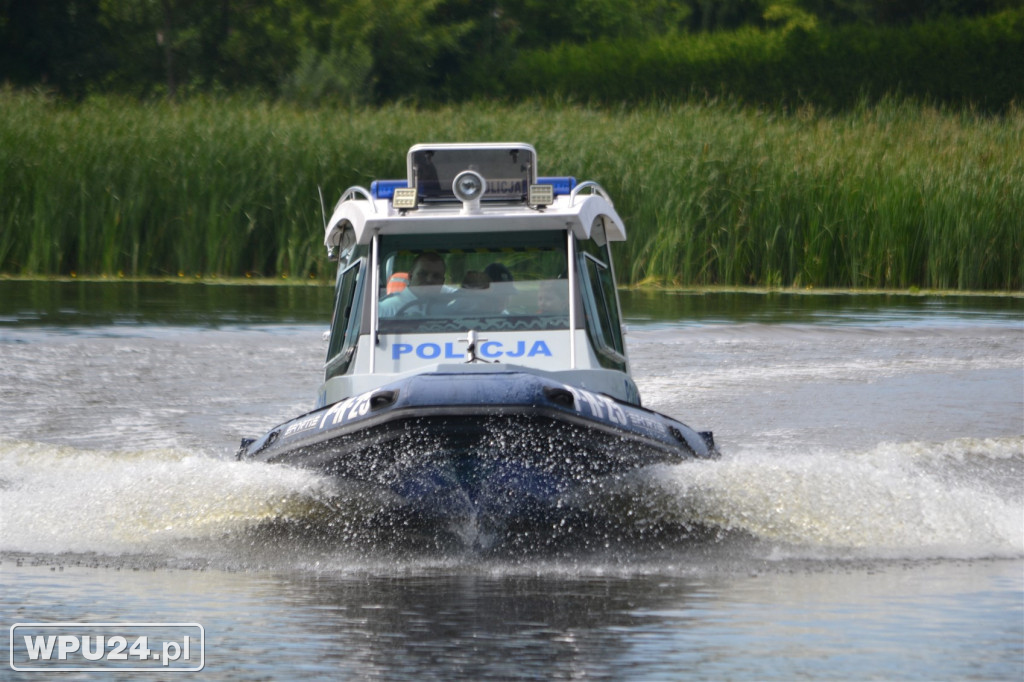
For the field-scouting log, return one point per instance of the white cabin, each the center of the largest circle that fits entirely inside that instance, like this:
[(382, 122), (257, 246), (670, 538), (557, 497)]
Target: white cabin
[(473, 263)]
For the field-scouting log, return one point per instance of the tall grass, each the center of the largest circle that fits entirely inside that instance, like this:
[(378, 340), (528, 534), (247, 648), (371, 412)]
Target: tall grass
[(896, 195)]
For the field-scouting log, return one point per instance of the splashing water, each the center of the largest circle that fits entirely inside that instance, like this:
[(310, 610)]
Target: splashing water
[(60, 499), (956, 499)]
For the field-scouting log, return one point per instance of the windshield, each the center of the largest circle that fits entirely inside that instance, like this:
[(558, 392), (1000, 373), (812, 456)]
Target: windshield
[(450, 283)]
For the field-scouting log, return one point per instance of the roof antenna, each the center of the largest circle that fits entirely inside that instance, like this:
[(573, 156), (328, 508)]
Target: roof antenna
[(323, 209), (331, 252)]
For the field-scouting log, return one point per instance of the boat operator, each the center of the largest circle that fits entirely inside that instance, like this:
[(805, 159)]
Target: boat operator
[(426, 288)]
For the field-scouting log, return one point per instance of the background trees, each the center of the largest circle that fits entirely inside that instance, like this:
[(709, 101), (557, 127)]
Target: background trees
[(371, 51)]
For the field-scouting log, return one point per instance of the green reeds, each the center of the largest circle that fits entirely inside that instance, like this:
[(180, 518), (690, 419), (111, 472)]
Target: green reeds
[(896, 195)]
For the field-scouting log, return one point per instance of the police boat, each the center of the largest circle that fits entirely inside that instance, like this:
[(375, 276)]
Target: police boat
[(475, 363)]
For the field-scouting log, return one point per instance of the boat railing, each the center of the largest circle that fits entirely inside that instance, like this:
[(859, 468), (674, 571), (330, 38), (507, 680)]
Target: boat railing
[(355, 190), (594, 189)]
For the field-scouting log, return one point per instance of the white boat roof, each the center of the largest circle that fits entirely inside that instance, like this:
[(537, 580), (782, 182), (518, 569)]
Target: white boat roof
[(369, 216), (369, 212)]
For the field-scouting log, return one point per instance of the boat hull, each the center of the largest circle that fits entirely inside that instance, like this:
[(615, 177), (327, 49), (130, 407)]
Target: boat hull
[(507, 446)]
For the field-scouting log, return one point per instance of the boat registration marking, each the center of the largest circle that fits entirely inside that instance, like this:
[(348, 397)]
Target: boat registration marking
[(600, 406), (350, 408)]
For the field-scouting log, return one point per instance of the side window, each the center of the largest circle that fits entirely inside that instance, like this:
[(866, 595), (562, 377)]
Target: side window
[(345, 323), (603, 286), (600, 301)]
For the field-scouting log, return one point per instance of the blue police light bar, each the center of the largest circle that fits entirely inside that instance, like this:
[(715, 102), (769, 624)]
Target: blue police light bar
[(562, 185), (385, 189)]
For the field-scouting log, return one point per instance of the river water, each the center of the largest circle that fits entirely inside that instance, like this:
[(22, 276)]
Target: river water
[(866, 519)]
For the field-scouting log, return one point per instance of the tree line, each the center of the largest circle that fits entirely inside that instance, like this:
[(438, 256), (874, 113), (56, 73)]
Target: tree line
[(369, 52)]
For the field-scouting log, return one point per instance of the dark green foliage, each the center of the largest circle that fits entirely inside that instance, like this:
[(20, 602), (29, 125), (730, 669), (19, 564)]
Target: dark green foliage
[(978, 62), (828, 52), (51, 43)]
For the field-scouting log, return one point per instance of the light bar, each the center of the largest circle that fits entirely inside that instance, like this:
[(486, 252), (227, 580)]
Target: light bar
[(385, 189), (563, 185)]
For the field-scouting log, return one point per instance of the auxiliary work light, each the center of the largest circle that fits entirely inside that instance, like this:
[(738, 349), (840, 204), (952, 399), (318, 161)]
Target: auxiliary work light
[(404, 198), (540, 195)]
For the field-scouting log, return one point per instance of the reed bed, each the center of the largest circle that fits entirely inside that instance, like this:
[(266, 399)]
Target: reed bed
[(896, 195)]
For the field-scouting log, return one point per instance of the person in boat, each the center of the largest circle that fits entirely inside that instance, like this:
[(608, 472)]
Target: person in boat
[(397, 282), (553, 297), (426, 289), (472, 297), (484, 292), (503, 285)]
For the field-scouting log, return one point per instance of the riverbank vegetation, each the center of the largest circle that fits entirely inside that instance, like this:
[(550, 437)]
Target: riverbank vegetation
[(799, 143), (890, 195)]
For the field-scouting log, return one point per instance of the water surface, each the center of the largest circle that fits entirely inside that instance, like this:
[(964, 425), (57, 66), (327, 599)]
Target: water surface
[(866, 519)]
